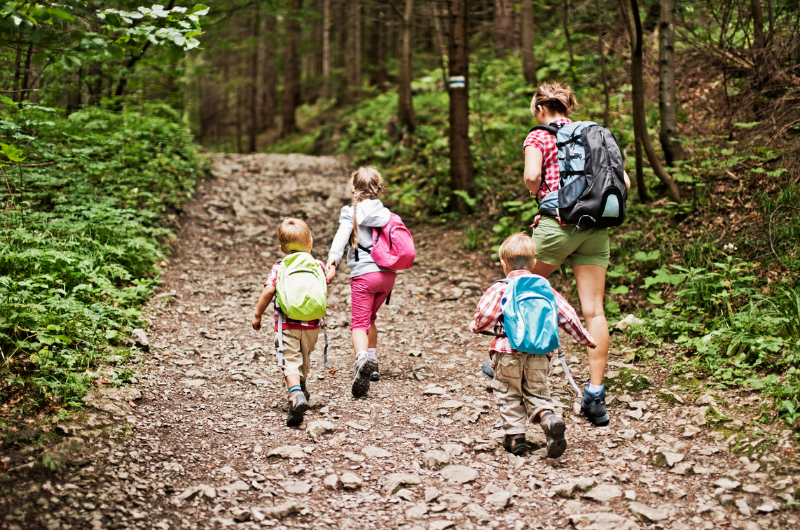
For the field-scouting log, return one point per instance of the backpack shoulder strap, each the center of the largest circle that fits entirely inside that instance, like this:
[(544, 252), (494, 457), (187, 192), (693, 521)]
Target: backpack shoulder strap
[(548, 128)]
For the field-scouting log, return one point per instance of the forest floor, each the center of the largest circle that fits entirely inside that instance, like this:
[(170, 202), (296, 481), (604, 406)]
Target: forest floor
[(200, 441)]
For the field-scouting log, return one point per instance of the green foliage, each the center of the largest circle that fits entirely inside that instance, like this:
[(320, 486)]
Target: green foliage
[(80, 240)]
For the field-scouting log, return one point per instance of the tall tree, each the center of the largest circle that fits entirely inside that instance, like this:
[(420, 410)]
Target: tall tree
[(291, 83), (666, 85), (503, 26), (405, 104), (569, 39), (439, 37), (377, 47), (252, 81), (462, 175), (354, 59), (528, 49), (268, 96), (639, 117), (602, 49), (326, 48)]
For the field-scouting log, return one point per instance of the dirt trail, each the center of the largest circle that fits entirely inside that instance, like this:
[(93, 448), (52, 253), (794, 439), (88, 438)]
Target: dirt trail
[(201, 442)]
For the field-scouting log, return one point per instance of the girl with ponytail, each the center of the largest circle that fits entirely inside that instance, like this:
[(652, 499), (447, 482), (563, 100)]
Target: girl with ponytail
[(370, 283)]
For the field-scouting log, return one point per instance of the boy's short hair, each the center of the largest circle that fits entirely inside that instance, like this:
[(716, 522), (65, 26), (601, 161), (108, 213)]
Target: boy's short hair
[(294, 235), (519, 252)]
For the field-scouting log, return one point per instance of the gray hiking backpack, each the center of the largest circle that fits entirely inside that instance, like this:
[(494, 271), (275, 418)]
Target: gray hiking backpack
[(591, 190)]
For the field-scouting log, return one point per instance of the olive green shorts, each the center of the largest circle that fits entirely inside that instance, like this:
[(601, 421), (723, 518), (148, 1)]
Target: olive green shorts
[(555, 245)]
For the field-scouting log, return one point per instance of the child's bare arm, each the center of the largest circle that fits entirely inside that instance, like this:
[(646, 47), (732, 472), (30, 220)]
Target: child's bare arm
[(263, 302)]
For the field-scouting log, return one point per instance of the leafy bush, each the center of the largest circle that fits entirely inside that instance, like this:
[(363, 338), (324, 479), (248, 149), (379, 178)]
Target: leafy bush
[(81, 238)]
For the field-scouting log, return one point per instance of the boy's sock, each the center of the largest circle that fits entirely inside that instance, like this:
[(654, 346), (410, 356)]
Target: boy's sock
[(594, 389), (295, 388), (372, 352)]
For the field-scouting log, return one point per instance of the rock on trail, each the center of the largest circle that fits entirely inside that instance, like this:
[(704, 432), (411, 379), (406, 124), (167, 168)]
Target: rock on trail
[(201, 441)]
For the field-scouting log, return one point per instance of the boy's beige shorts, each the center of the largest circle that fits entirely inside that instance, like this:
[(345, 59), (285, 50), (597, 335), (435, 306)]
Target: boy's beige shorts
[(297, 347), (520, 389)]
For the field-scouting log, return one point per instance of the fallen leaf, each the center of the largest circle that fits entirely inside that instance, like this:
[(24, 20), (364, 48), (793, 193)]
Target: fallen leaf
[(621, 468), (332, 371), (590, 459), (132, 404)]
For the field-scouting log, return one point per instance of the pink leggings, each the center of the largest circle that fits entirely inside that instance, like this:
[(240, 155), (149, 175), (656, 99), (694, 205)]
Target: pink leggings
[(369, 292)]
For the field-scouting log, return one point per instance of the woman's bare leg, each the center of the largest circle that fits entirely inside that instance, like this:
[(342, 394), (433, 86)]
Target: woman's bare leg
[(591, 281)]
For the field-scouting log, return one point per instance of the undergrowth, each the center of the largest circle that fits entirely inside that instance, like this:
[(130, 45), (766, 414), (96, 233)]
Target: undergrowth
[(82, 233)]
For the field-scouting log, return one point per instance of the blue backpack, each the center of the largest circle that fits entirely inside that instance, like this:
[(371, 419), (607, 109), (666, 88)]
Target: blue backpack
[(530, 315)]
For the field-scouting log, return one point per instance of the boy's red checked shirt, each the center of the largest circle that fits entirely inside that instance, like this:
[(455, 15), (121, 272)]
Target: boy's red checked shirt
[(546, 143), (490, 309), (289, 323)]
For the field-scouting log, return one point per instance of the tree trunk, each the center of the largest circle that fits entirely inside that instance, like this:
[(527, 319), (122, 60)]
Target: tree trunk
[(461, 172), (17, 71), (377, 47), (252, 100), (503, 29), (267, 75), (405, 104), (666, 86), (439, 37), (528, 47), (26, 73), (340, 77), (759, 47), (354, 59), (291, 83), (639, 117), (326, 48), (602, 49), (569, 39)]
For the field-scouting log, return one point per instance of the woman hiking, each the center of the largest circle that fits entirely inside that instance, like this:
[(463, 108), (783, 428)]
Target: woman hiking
[(585, 249)]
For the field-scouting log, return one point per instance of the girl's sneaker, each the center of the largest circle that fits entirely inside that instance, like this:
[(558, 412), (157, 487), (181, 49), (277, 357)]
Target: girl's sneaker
[(365, 366), (298, 406)]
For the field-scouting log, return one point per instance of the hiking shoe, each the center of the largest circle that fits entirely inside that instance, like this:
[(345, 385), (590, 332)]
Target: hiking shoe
[(487, 370), (593, 407), (306, 393), (376, 375), (515, 443), (363, 373), (554, 428), (298, 406)]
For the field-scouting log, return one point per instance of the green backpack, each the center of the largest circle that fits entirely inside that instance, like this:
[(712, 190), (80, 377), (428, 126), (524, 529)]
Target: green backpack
[(302, 289)]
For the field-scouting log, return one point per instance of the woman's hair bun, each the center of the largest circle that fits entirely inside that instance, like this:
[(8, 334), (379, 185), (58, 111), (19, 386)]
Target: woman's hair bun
[(555, 97)]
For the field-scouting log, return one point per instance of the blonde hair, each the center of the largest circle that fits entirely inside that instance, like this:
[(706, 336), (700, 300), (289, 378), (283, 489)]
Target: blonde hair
[(365, 183), (555, 97), (294, 236), (519, 252)]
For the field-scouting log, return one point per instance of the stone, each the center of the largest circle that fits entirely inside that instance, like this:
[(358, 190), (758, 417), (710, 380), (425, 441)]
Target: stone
[(435, 458), (669, 459), (57, 457), (417, 511), (728, 484), (453, 501), (395, 480), (288, 451), (297, 487), (681, 469), (434, 391), (200, 491), (317, 428), (627, 434), (195, 374), (604, 493), (767, 505), (351, 481), (564, 490), (441, 524), (475, 512), (584, 483), (690, 430), (630, 495), (460, 474), (372, 451), (602, 521), (676, 492), (193, 383), (743, 508), (353, 457), (140, 339), (431, 494), (331, 482), (450, 404), (355, 425), (627, 322), (233, 489), (453, 449), (636, 414), (316, 401), (405, 494), (647, 513), (241, 516), (499, 499), (281, 510)]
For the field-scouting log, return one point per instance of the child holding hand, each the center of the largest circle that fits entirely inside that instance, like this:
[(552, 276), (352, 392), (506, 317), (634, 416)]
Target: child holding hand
[(520, 382), (370, 283)]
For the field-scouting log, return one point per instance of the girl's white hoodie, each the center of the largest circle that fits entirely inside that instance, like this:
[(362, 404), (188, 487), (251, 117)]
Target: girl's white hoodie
[(371, 213)]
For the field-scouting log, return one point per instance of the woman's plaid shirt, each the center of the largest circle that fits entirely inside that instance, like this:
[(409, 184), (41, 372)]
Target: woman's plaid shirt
[(490, 309)]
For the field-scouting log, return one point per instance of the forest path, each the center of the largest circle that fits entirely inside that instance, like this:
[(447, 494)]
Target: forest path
[(199, 448)]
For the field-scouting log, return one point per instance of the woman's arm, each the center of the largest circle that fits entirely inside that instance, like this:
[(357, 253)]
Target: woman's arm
[(627, 179), (533, 169)]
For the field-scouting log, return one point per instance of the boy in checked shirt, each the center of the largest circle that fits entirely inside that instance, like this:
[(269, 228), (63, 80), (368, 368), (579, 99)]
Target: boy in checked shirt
[(520, 379)]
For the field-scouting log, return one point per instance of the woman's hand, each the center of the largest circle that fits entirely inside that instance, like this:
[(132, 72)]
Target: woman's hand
[(330, 269)]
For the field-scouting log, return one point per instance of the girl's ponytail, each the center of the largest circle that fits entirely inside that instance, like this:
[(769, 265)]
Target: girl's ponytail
[(365, 183)]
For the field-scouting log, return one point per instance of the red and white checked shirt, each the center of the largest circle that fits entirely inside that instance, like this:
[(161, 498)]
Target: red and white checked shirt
[(546, 143), (289, 323), (490, 309)]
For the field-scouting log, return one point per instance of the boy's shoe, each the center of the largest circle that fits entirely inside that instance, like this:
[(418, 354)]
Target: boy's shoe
[(363, 373), (515, 444), (554, 428), (376, 375), (593, 407), (487, 370), (298, 406)]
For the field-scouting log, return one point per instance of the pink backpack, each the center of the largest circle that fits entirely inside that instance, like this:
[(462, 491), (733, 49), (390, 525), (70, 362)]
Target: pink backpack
[(392, 245)]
